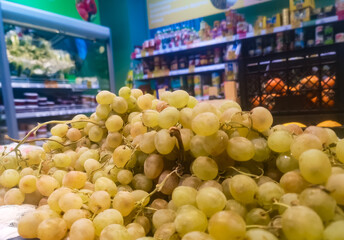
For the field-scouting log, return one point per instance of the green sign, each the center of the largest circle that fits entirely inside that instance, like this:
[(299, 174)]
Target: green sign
[(87, 10)]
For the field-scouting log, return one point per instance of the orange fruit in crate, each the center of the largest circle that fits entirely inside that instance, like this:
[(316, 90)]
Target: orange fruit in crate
[(309, 82), (275, 85), (315, 100), (329, 123), (329, 82), (327, 96), (255, 101)]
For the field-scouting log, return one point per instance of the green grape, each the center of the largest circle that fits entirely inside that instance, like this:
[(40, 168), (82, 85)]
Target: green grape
[(261, 119), (184, 195), (73, 215), (132, 103), (227, 225), (114, 123), (144, 102), (135, 230), (304, 142), (321, 133), (168, 117), (62, 160), (136, 93), (137, 128), (73, 134), (141, 182), (192, 181), (115, 231), (99, 201), (166, 231), (59, 130), (204, 168), (91, 165), (215, 144), (140, 195), (178, 99), (197, 146), (164, 143), (113, 140), (55, 144), (124, 176), (300, 222), (28, 224), (52, 229), (259, 234), (74, 179), (196, 235), (105, 184), (257, 216), (9, 178), (235, 206), (105, 218), (279, 141), (289, 199), (243, 188), (335, 185), (69, 201), (124, 92), (105, 97), (334, 231), (293, 182), (9, 162), (189, 219), (122, 155), (205, 124), (103, 111), (95, 134), (162, 216), (82, 229), (35, 156), (153, 166), (119, 105), (46, 185), (186, 135), (315, 166), (332, 137), (340, 150), (150, 118), (210, 200), (318, 200), (147, 142), (261, 150), (240, 149), (337, 170), (171, 182), (27, 184), (186, 117), (54, 197), (192, 102), (285, 162), (81, 124), (124, 202), (165, 96), (229, 104), (14, 197), (203, 107), (211, 183), (268, 193), (226, 116)]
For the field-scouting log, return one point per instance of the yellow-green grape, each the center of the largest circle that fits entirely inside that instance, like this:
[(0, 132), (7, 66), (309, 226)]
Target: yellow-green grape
[(216, 143), (286, 162), (55, 143), (59, 130), (335, 185), (300, 222), (137, 129), (115, 231), (340, 150), (288, 199), (14, 197), (192, 102), (186, 117), (227, 225), (186, 135), (105, 218), (204, 168), (136, 93), (150, 118), (203, 107), (83, 156), (103, 111), (124, 202), (261, 119), (132, 115), (257, 234), (91, 165), (144, 222), (140, 181), (53, 199), (135, 230), (334, 231), (162, 216), (140, 196), (321, 202), (268, 193), (9, 162), (105, 97), (240, 149), (99, 201), (257, 216), (105, 184), (73, 215), (136, 118), (119, 105), (74, 179), (320, 132), (113, 140), (315, 166), (9, 178), (46, 185), (279, 141), (124, 176), (235, 206), (189, 219), (196, 235), (229, 104), (131, 101), (52, 229), (332, 137), (153, 166), (210, 200), (98, 174), (168, 117), (166, 231), (147, 142), (114, 123), (82, 229), (70, 201), (197, 146), (62, 160), (35, 156), (337, 170), (226, 116), (59, 175), (73, 134), (178, 99), (184, 195), (293, 181), (121, 155), (243, 188), (79, 121), (205, 124), (304, 142), (27, 184), (28, 224), (165, 96), (163, 142), (124, 92), (261, 150), (95, 134), (144, 102)]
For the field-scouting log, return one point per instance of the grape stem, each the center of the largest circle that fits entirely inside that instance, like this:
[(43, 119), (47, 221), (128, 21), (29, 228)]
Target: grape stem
[(249, 174), (280, 204), (174, 132), (257, 226)]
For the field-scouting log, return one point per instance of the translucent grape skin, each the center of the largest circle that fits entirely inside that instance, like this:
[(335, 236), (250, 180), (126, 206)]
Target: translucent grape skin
[(243, 188), (261, 118), (279, 141), (240, 149), (205, 124), (105, 218), (334, 231), (210, 200), (189, 218), (304, 142), (335, 185), (52, 229), (153, 166), (164, 143), (82, 229), (204, 168), (184, 195)]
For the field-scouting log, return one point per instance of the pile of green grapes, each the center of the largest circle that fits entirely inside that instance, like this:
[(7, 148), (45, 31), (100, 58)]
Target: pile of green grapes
[(173, 168)]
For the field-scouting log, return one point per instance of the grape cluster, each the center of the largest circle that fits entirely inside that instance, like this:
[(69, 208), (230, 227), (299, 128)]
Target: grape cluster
[(173, 168)]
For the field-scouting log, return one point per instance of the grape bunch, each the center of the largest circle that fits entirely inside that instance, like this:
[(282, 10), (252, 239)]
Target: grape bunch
[(174, 168)]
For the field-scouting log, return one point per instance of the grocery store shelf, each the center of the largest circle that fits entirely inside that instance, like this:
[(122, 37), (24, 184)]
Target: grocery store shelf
[(208, 68), (230, 39)]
